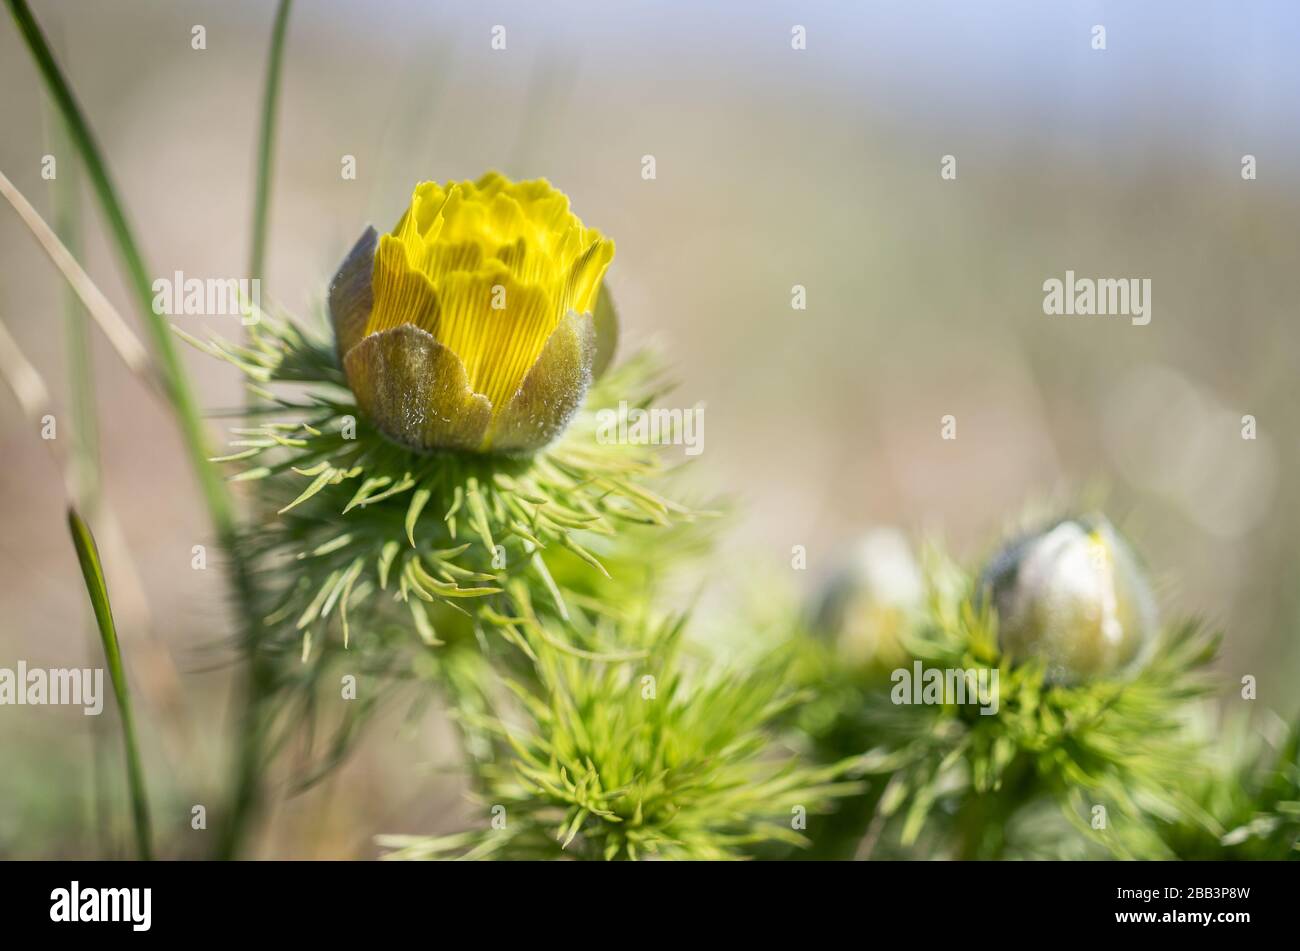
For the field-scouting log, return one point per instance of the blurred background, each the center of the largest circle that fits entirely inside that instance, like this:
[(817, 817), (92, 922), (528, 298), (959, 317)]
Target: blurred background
[(775, 167)]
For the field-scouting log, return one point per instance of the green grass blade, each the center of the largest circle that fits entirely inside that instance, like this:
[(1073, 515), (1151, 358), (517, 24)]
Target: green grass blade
[(85, 474), (92, 571), (266, 146), (76, 324)]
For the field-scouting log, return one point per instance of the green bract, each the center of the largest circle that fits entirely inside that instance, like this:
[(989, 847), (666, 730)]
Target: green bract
[(368, 516)]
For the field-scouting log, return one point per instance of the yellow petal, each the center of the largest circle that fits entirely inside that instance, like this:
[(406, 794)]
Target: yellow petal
[(402, 294), (498, 345)]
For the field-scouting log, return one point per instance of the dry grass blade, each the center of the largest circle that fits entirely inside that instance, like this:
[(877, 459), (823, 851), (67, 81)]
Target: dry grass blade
[(115, 328)]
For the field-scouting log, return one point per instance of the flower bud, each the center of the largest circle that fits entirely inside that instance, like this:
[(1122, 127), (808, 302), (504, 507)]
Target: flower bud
[(1075, 597), (872, 597), (470, 326)]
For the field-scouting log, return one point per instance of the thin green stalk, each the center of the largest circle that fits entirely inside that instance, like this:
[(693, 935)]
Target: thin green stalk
[(81, 375), (85, 423), (252, 732), (215, 493), (92, 571), (266, 146), (65, 191)]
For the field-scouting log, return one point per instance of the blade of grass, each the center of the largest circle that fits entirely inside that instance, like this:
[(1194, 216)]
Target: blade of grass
[(116, 329), (92, 571), (65, 190), (85, 478), (33, 396), (266, 146), (28, 386), (259, 679)]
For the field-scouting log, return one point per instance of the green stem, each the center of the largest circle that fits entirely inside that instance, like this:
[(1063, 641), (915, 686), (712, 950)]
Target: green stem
[(840, 833), (85, 424), (259, 685), (266, 147), (76, 325), (983, 818), (246, 795), (92, 571)]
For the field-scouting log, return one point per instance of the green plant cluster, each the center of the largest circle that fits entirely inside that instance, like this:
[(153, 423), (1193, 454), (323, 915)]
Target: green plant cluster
[(1109, 768), (528, 595)]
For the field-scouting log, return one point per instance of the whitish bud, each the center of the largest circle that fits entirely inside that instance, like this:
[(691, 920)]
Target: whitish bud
[(871, 598), (1074, 596)]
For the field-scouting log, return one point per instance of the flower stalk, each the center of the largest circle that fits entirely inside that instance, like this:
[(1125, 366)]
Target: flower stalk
[(266, 140)]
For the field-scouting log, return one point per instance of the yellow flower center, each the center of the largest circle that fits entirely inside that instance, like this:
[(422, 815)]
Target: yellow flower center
[(489, 268)]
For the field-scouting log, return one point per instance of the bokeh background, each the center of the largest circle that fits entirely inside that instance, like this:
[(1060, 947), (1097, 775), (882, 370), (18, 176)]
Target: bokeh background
[(775, 167)]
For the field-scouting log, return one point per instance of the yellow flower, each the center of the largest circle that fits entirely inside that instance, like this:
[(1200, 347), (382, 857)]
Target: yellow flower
[(470, 326)]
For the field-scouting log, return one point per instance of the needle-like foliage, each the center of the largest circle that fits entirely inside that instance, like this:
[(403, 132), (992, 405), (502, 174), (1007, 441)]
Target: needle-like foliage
[(367, 517), (377, 552), (625, 760), (1112, 756)]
